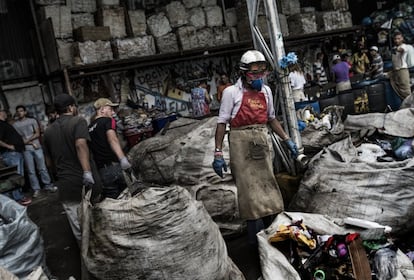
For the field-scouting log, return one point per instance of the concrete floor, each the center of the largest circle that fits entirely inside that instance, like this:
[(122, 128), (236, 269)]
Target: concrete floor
[(62, 252)]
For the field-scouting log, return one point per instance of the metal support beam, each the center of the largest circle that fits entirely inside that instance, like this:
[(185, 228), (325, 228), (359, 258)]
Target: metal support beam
[(273, 54)]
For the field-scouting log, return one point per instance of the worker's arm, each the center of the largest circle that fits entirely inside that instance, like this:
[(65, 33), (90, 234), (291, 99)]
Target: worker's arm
[(82, 151), (114, 143), (36, 134), (7, 146), (278, 129), (219, 164), (220, 131), (116, 148)]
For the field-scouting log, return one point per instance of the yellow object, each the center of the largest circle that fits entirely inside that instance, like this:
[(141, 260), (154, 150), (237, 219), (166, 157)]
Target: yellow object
[(299, 233)]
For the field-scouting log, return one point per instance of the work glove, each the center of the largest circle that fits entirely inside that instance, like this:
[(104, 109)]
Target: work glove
[(125, 163), (219, 164), (87, 179), (292, 147)]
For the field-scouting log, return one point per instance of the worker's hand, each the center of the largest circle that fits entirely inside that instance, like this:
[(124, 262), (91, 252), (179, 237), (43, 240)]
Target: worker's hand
[(219, 164), (292, 147), (87, 179), (124, 163)]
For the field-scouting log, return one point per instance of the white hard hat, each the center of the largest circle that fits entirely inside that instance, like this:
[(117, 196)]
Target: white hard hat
[(251, 57), (336, 57), (374, 48)]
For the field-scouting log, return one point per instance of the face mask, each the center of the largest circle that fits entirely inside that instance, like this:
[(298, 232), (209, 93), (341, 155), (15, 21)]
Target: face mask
[(257, 84)]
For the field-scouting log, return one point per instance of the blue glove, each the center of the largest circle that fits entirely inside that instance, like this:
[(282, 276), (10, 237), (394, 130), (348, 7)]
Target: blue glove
[(292, 147), (219, 164)]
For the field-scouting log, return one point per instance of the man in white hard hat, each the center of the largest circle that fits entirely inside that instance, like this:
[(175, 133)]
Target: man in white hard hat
[(248, 107)]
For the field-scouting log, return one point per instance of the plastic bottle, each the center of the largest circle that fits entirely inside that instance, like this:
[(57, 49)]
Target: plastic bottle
[(326, 121), (145, 104)]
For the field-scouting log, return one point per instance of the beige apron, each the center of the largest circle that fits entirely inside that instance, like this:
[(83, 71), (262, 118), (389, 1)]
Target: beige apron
[(400, 82), (252, 168)]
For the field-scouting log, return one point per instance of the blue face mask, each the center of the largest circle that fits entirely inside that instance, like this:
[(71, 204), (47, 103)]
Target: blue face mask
[(257, 84)]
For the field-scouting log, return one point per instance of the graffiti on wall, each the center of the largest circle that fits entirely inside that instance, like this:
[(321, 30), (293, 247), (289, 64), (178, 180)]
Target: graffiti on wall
[(13, 69), (165, 87), (31, 98), (172, 83)]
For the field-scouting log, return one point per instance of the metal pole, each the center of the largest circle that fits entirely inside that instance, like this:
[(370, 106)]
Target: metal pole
[(278, 49), (273, 54), (67, 81)]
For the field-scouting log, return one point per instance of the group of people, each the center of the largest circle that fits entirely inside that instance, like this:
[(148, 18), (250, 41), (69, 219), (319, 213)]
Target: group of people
[(20, 146), (84, 156), (371, 66), (345, 66), (80, 155)]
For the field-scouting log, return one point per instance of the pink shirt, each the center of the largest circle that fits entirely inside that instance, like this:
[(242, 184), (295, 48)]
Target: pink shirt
[(232, 99)]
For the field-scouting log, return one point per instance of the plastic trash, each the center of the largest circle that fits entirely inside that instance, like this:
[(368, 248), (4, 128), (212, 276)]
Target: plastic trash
[(385, 264), (405, 150)]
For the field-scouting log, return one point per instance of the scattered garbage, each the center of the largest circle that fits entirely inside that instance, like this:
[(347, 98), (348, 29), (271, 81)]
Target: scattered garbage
[(309, 246)]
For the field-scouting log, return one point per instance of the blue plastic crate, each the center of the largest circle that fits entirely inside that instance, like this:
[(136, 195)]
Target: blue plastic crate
[(159, 123), (313, 103)]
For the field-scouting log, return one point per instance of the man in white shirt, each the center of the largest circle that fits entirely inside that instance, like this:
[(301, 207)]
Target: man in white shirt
[(400, 77)]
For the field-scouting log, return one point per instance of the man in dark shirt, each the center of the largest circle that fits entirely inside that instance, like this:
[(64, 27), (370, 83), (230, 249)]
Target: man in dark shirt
[(11, 149), (106, 150), (65, 144)]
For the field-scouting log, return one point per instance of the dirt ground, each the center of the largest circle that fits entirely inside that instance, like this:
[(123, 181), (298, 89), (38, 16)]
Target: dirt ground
[(62, 252)]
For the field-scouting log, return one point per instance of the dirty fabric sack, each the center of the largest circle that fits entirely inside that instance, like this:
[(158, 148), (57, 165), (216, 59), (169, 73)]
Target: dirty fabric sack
[(183, 156), (341, 184), (160, 233), (317, 135), (21, 245), (398, 123)]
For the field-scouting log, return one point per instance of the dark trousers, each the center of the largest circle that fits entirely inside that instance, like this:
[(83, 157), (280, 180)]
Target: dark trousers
[(254, 226), (112, 180)]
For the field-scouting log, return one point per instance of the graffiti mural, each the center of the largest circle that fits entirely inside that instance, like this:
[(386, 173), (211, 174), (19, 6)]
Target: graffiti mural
[(14, 69), (172, 83)]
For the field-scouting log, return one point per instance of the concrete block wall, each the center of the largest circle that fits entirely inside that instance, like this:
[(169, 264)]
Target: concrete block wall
[(180, 25), (305, 20), (174, 27)]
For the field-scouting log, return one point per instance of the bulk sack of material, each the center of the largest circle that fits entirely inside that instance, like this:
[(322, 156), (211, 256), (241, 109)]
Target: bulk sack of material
[(21, 245), (5, 274), (340, 184), (159, 233), (182, 156), (317, 134), (398, 123), (274, 263)]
